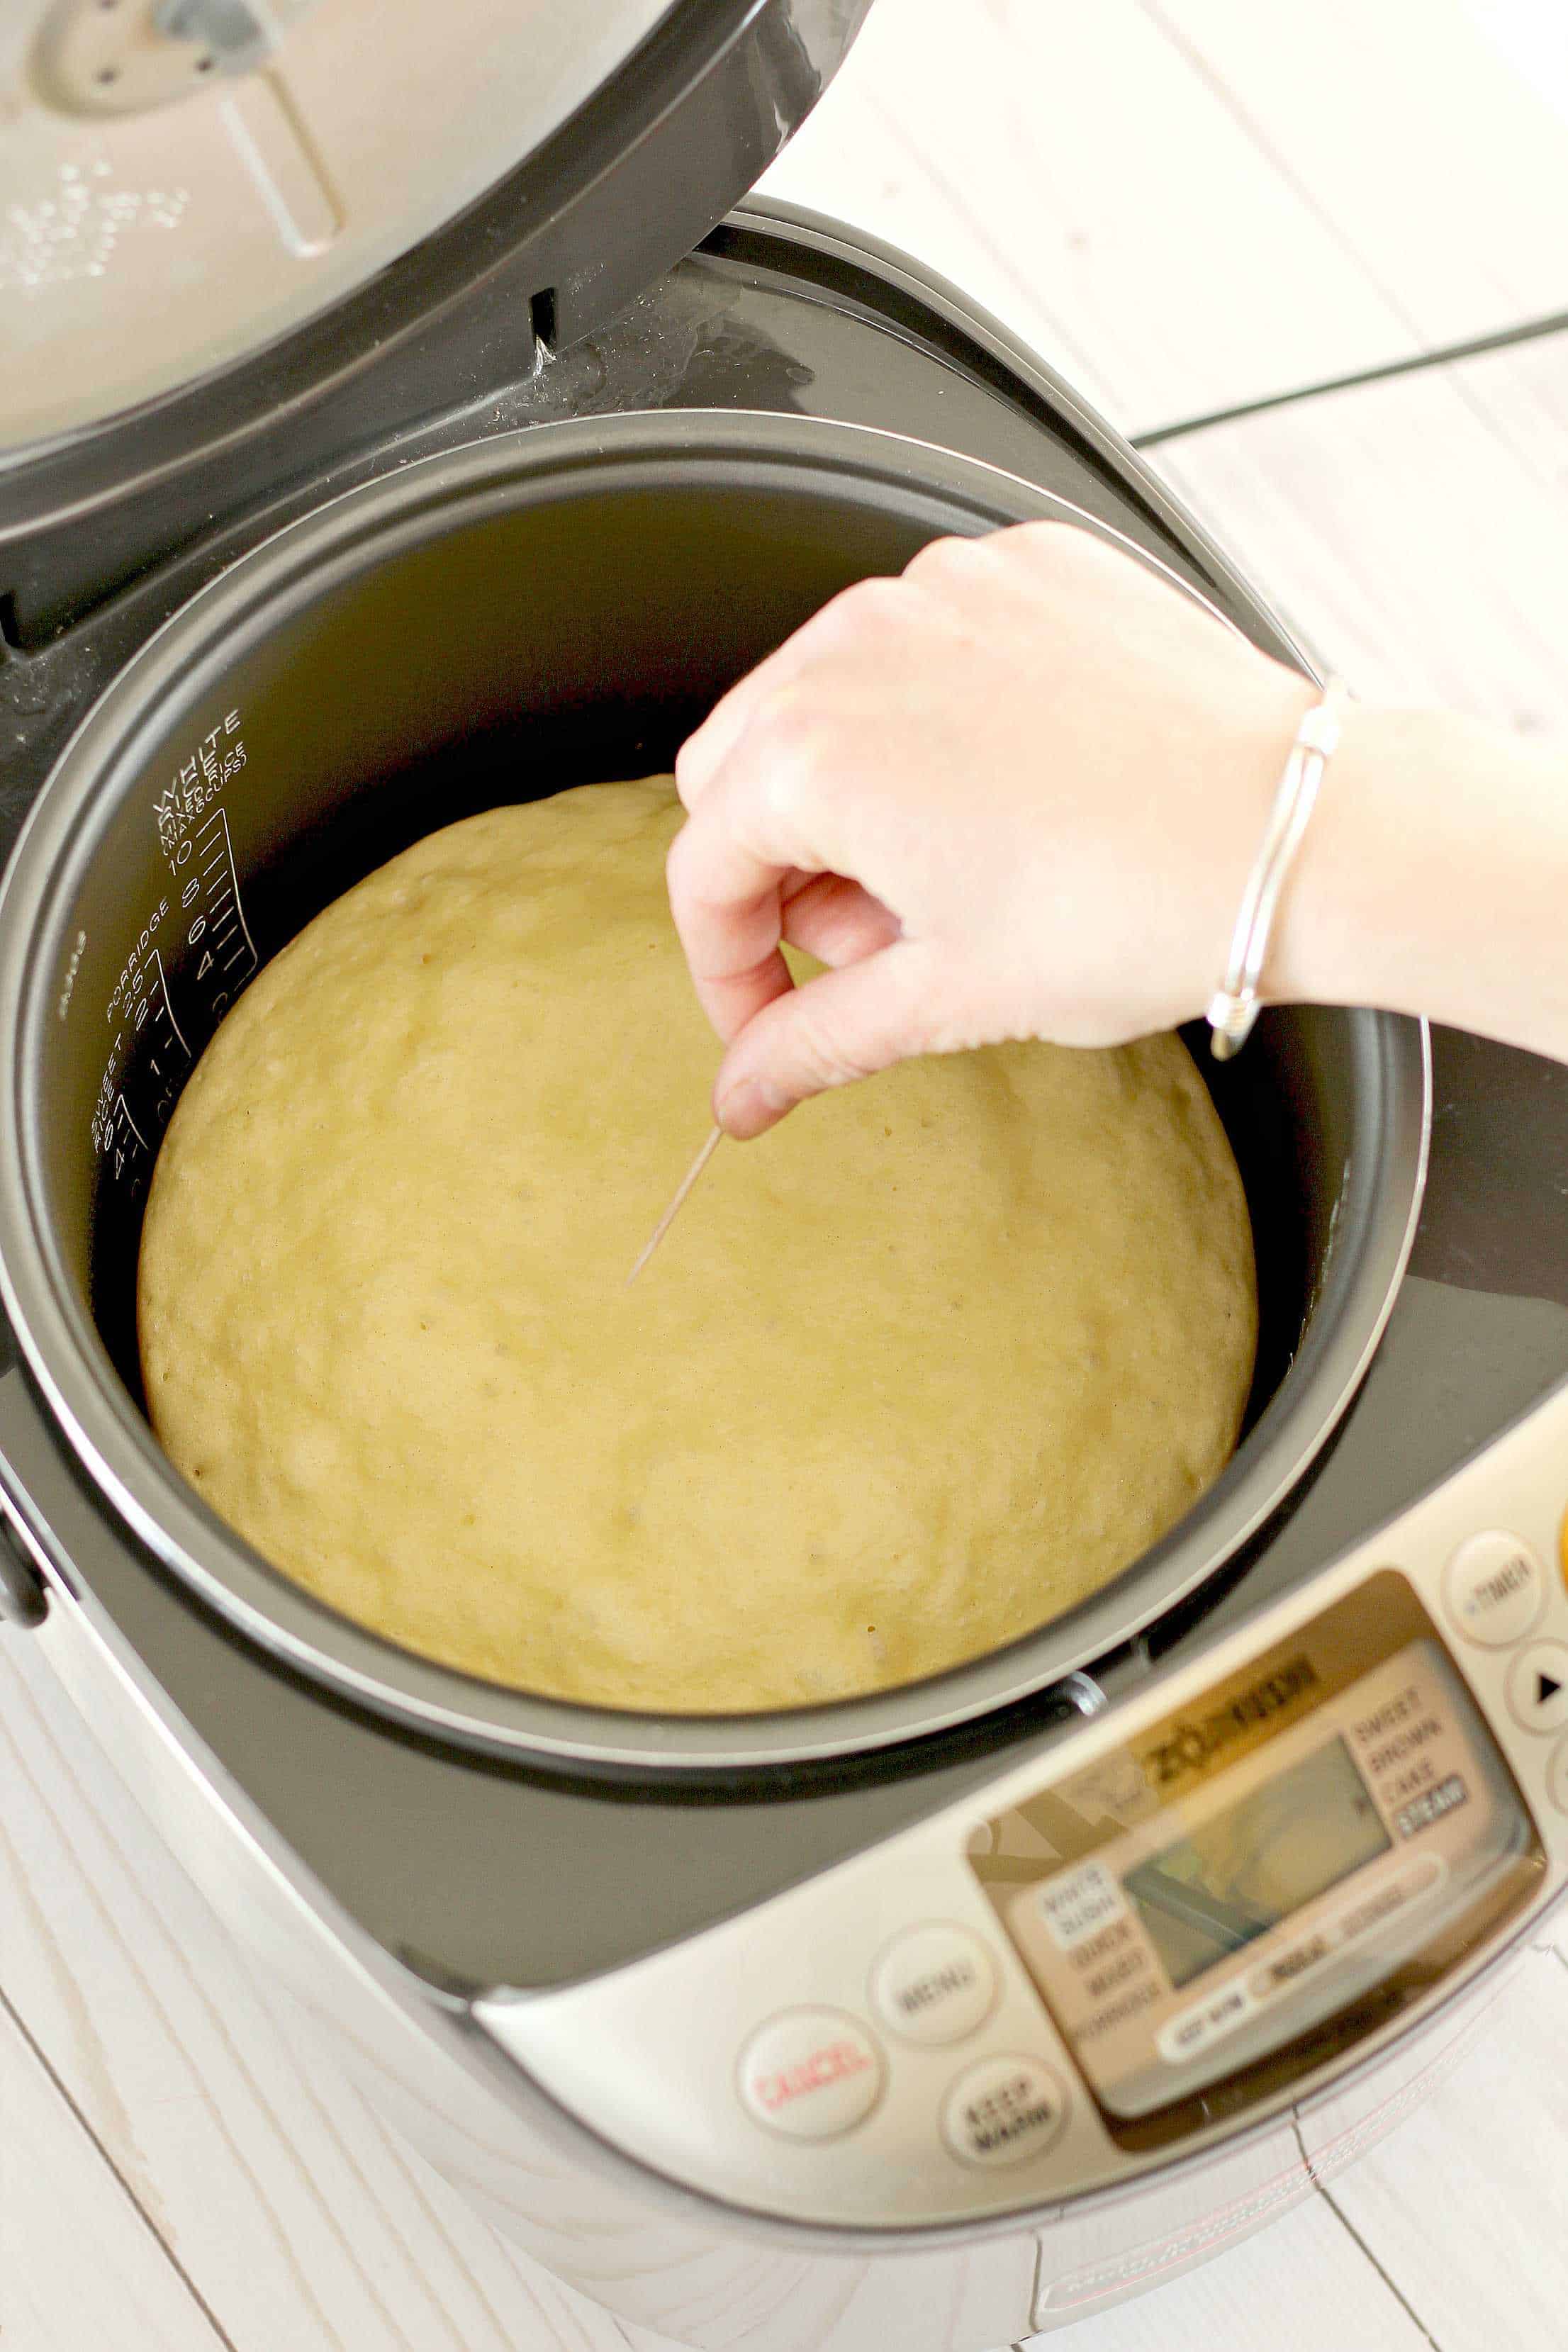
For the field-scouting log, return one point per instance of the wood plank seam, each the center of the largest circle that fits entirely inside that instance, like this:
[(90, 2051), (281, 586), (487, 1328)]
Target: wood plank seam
[(908, 141), (456, 2280), (62, 2092), (1302, 189), (1355, 2236), (1458, 601), (263, 2106), (1529, 331)]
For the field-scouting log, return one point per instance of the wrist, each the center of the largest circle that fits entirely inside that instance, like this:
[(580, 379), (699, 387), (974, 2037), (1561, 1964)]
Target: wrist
[(1336, 941), (1434, 880)]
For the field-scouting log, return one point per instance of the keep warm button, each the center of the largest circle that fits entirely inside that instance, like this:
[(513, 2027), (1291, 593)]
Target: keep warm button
[(1003, 2110), (810, 2073)]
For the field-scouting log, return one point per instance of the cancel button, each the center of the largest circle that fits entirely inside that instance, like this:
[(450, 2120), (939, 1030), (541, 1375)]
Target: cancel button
[(810, 2073)]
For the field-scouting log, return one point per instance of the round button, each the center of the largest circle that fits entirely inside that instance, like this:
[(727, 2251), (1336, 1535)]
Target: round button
[(1003, 2110), (1538, 1686), (1557, 1778), (935, 1984), (1495, 1588), (810, 2073)]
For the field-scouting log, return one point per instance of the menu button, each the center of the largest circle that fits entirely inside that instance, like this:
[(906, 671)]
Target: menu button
[(934, 1984)]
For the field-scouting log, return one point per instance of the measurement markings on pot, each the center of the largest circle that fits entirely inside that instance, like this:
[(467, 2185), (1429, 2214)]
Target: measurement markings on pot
[(140, 1003), (201, 923), (217, 928), (193, 833)]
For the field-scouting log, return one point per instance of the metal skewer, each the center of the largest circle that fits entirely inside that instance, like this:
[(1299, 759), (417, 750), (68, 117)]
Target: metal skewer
[(664, 1223)]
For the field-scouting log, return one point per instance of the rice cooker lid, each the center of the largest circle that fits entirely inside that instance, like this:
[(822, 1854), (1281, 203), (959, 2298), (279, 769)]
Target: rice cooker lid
[(187, 183)]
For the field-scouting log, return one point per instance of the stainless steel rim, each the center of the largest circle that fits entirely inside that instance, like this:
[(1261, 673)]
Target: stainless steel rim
[(115, 1445)]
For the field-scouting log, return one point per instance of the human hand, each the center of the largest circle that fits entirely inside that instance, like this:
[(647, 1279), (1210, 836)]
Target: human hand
[(1014, 793)]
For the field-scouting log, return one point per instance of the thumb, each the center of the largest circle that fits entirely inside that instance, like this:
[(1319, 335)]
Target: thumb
[(843, 1026)]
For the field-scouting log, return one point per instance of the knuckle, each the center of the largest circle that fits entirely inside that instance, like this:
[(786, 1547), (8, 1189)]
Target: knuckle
[(950, 558), (787, 752), (868, 604), (680, 874), (931, 562), (879, 598), (1068, 548), (821, 1059), (691, 766)]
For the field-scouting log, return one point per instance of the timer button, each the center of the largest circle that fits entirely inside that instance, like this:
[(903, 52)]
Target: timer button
[(810, 2073), (1003, 2110), (1495, 1588), (935, 1984), (1538, 1686)]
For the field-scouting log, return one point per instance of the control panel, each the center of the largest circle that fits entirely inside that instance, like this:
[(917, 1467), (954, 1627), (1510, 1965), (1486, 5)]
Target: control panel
[(1198, 1899), (1178, 1917)]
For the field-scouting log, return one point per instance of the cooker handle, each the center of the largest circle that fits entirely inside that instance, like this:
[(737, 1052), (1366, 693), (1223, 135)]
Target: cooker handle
[(23, 1599), (24, 1593)]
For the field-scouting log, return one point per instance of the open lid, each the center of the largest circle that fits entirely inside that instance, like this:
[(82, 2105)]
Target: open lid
[(186, 185)]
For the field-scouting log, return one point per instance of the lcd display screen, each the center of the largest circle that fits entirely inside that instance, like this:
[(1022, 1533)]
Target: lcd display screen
[(1248, 1867), (1250, 1882)]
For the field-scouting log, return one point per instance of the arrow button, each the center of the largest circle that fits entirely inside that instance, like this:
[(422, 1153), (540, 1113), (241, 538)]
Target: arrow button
[(1538, 1686)]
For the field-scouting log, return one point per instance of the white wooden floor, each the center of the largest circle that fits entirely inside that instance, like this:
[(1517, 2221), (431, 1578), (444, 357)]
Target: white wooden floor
[(1192, 207)]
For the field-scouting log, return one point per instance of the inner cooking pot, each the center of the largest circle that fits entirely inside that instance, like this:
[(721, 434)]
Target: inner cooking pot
[(551, 608)]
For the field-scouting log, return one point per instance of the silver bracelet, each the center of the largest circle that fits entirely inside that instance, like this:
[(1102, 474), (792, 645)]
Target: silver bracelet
[(1234, 1005)]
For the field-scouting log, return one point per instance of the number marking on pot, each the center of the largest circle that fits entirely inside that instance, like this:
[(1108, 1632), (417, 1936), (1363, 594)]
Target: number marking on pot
[(218, 932), (209, 944)]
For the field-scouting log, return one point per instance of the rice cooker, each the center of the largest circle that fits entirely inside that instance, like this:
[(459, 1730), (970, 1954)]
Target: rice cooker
[(402, 416)]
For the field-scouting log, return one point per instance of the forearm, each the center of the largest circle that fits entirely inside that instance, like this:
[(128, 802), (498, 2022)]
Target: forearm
[(1027, 781), (1435, 879)]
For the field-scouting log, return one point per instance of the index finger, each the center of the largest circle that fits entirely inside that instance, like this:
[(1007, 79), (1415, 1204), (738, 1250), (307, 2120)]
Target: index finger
[(729, 868), (702, 756)]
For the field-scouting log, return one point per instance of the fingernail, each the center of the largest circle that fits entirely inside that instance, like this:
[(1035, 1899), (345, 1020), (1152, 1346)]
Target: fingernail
[(747, 1109)]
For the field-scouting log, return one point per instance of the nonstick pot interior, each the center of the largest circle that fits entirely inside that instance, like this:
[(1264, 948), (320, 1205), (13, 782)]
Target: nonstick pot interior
[(489, 627)]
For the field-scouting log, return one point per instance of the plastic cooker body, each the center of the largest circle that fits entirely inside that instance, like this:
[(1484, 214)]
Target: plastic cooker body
[(436, 1842)]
